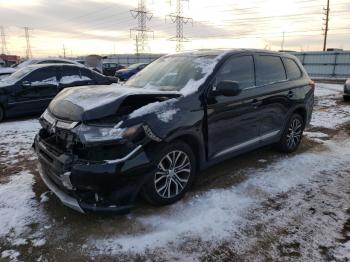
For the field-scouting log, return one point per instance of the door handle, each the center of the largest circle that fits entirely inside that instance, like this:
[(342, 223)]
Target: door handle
[(290, 94), (256, 103)]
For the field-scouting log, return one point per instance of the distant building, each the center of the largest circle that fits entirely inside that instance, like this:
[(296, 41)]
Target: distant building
[(10, 60)]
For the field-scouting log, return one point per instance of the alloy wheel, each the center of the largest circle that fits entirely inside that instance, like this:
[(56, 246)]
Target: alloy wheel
[(172, 175), (294, 133)]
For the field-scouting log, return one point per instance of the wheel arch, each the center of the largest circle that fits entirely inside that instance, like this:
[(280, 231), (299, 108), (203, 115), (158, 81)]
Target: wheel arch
[(195, 144), (302, 112)]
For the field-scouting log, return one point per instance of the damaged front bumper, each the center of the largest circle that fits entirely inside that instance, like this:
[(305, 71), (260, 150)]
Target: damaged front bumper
[(85, 186)]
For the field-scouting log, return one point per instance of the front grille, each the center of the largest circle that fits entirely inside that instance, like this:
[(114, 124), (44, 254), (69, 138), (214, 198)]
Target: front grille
[(61, 141)]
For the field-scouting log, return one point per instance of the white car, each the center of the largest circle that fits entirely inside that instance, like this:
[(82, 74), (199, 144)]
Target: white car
[(4, 72), (45, 61)]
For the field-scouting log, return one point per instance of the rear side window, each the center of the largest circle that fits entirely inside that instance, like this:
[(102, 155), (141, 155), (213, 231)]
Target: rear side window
[(239, 69), (269, 69), (293, 70), (70, 75), (87, 73)]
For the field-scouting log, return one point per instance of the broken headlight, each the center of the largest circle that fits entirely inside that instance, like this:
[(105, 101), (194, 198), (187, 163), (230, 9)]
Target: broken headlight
[(93, 134)]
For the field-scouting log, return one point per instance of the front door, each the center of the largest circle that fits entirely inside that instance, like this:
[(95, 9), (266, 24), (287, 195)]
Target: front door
[(233, 121), (35, 91)]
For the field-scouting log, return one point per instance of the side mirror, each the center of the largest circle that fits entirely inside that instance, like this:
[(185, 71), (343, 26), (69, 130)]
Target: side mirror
[(227, 88), (26, 84)]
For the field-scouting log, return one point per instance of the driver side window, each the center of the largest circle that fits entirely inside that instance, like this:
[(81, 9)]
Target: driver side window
[(238, 69), (42, 76)]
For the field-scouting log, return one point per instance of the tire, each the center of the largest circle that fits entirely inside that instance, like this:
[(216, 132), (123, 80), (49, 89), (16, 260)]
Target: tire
[(2, 114), (292, 134), (346, 98), (165, 186)]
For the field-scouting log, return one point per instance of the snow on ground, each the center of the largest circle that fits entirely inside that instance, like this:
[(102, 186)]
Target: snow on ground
[(219, 214), (10, 254), (328, 89), (342, 253), (327, 112), (16, 138), (204, 220), (18, 208)]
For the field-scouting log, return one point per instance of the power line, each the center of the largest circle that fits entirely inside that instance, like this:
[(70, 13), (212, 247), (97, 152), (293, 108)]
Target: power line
[(179, 20), (326, 26), (141, 31)]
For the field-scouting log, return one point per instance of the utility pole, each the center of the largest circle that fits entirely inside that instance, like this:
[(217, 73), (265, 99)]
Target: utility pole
[(327, 10), (179, 20), (137, 44), (28, 49), (140, 33), (64, 51), (3, 41), (282, 44)]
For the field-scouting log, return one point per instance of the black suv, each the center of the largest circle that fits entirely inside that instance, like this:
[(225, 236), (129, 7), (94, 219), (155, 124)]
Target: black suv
[(30, 89), (182, 113)]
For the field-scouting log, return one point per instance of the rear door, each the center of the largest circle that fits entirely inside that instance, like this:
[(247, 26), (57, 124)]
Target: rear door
[(233, 121), (274, 95)]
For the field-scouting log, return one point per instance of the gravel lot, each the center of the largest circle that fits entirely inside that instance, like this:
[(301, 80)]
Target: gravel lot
[(260, 206)]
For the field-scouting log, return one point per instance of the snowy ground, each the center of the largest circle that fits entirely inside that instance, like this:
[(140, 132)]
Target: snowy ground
[(260, 206)]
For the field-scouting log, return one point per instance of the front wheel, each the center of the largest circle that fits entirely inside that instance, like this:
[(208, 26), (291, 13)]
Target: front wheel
[(174, 174), (292, 135)]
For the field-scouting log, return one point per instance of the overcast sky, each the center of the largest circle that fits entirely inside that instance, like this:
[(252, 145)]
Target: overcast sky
[(103, 26)]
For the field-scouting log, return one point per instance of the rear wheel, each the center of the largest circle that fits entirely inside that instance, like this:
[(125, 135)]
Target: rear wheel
[(292, 135), (174, 174)]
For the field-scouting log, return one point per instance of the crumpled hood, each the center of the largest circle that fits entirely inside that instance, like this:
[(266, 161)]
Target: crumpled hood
[(93, 102)]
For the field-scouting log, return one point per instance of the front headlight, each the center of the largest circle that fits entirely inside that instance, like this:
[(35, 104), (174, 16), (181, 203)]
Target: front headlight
[(92, 134)]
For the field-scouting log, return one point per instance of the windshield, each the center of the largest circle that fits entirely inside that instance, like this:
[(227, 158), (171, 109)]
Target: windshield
[(26, 63), (19, 74), (173, 73)]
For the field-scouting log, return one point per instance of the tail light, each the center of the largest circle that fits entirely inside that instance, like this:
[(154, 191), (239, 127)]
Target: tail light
[(312, 84)]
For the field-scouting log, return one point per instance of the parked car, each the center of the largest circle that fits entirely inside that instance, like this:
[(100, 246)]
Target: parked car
[(109, 68), (30, 89), (347, 90), (45, 61), (181, 114), (6, 71), (125, 74)]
